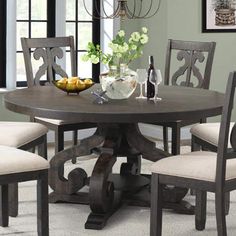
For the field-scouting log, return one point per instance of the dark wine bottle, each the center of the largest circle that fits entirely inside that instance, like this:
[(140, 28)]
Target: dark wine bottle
[(150, 86)]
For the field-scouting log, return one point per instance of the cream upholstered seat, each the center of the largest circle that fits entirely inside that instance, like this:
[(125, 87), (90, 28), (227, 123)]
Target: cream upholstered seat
[(195, 165), (14, 160), (209, 132), (54, 121), (25, 136), (17, 166), (17, 134)]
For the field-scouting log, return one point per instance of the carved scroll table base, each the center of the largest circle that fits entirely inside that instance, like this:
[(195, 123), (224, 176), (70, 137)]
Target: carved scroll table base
[(108, 191)]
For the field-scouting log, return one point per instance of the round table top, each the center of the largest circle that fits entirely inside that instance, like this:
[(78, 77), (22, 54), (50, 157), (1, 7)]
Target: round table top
[(178, 103)]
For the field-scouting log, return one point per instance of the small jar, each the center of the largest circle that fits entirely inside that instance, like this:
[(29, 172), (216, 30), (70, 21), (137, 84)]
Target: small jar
[(113, 70), (123, 68)]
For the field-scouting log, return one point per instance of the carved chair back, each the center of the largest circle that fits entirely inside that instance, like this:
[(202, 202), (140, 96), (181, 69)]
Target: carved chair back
[(49, 50), (196, 63), (224, 152)]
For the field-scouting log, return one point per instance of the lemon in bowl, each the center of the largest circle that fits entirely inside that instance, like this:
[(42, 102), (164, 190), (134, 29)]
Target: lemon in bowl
[(73, 84)]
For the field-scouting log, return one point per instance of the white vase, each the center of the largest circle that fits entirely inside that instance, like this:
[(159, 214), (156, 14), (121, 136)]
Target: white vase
[(119, 84)]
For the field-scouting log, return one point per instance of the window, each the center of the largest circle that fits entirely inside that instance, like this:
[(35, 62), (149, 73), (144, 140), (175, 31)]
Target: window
[(84, 29), (31, 22), (39, 19)]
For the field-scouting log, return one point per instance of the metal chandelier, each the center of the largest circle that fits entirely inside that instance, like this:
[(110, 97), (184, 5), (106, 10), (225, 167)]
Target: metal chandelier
[(130, 9)]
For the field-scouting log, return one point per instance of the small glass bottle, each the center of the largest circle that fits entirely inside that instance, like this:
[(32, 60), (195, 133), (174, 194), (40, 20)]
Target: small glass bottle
[(123, 68), (150, 86), (113, 70)]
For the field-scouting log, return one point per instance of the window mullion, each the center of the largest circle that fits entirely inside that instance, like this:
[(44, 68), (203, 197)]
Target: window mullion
[(96, 40), (10, 56), (29, 19), (60, 18), (3, 43), (51, 18)]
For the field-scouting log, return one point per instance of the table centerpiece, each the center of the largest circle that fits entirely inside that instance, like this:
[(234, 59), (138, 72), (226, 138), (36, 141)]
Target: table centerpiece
[(120, 81)]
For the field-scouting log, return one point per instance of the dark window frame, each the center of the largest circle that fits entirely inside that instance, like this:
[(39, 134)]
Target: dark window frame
[(96, 39), (3, 42)]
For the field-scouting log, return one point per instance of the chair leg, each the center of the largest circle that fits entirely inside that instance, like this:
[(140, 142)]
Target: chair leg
[(42, 148), (165, 139), (42, 205), (13, 199), (75, 142), (200, 210), (220, 213), (4, 216), (227, 203), (75, 137), (156, 207), (194, 146), (175, 141), (59, 140)]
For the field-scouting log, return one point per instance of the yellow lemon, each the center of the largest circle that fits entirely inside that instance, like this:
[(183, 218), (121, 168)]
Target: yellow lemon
[(88, 81), (72, 80), (71, 86), (61, 85), (80, 84), (63, 80)]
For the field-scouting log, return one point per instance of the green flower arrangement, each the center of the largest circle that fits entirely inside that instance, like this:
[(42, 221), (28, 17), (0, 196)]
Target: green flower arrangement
[(122, 51)]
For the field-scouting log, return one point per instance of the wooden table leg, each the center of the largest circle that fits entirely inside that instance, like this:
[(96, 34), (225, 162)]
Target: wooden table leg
[(101, 193), (102, 199), (172, 196), (66, 190)]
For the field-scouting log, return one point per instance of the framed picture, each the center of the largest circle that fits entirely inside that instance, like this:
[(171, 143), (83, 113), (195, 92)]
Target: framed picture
[(218, 16)]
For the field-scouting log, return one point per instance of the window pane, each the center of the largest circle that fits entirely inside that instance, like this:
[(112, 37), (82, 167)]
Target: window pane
[(36, 64), (39, 29), (84, 35), (39, 9), (70, 9), (21, 74), (62, 62), (22, 12), (82, 13), (68, 64), (70, 29), (22, 31), (84, 68), (20, 70)]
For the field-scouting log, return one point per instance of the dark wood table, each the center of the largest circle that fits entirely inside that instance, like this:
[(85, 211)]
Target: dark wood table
[(117, 135)]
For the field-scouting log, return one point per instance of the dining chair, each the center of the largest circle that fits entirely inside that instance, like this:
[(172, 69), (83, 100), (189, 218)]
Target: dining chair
[(19, 166), (25, 136), (50, 51), (205, 137), (196, 60), (200, 170)]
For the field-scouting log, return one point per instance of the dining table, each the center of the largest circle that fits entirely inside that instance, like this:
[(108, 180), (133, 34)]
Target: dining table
[(117, 135)]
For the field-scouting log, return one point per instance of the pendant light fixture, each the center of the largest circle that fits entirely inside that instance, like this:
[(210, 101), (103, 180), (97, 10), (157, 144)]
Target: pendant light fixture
[(125, 9)]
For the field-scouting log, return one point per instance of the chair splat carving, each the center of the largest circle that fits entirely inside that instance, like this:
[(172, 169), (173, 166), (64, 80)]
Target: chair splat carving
[(190, 58), (49, 65)]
